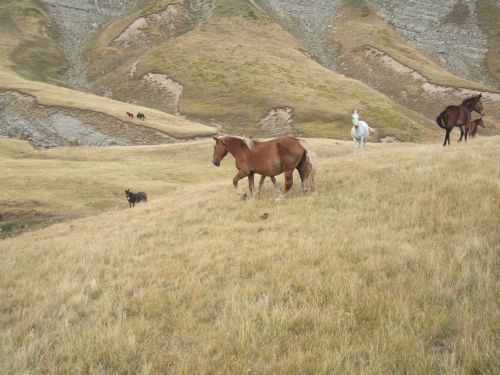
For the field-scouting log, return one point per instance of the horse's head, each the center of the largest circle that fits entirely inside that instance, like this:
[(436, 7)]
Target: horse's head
[(127, 193), (478, 106), (355, 118), (220, 150), (475, 104)]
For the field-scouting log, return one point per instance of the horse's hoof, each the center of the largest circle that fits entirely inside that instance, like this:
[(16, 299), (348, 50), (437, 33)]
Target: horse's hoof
[(243, 197)]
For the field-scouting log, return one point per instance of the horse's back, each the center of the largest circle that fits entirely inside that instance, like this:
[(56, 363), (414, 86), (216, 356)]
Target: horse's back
[(272, 157)]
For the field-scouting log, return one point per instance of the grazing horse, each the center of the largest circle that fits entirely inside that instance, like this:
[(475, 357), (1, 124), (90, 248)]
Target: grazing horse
[(474, 125), (130, 115), (460, 116), (134, 198), (141, 116), (268, 158), (359, 132)]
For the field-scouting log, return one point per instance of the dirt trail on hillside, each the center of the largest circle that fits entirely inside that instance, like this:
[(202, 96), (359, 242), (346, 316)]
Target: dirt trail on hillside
[(22, 117)]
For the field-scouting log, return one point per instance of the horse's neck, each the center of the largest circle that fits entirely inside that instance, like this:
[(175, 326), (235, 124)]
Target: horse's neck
[(236, 146), (470, 106)]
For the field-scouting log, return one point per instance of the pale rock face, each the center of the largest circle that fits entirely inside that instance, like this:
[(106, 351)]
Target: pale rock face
[(78, 21), (308, 20), (457, 43)]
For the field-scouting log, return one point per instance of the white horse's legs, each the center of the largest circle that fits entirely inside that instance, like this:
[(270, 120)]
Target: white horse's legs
[(357, 145)]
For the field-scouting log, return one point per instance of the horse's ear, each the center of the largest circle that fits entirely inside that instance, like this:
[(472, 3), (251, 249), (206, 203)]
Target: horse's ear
[(215, 138), (479, 97)]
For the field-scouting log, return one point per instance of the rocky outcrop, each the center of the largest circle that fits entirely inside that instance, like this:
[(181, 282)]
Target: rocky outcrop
[(78, 21), (161, 25), (22, 117), (307, 20), (277, 122), (166, 87), (448, 30)]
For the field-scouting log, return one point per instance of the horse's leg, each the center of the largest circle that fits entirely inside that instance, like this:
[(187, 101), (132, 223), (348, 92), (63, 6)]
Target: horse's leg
[(276, 187), (447, 136), (261, 182), (461, 133), (288, 183), (236, 178), (251, 183), (302, 178)]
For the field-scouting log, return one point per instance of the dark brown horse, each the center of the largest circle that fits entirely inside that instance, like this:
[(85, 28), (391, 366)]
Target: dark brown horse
[(460, 116), (474, 125), (268, 158), (130, 115)]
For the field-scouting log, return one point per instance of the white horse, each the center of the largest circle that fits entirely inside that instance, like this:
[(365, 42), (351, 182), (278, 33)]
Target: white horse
[(359, 132)]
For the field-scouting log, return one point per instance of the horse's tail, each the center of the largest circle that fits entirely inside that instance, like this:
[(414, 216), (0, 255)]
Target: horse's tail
[(372, 130), (440, 120), (310, 164)]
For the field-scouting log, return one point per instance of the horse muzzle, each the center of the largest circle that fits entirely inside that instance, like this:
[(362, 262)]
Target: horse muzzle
[(216, 162)]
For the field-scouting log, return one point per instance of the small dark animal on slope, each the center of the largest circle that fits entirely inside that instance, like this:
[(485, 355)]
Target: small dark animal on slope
[(141, 116), (130, 115), (134, 198)]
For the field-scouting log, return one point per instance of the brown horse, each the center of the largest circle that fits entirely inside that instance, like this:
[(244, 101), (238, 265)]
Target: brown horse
[(268, 158), (459, 116), (130, 115), (474, 125)]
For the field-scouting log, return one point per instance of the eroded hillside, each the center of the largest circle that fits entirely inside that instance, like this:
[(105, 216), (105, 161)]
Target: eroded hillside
[(263, 67)]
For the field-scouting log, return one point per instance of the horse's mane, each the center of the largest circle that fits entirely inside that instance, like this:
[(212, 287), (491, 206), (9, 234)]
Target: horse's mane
[(247, 141), (471, 99)]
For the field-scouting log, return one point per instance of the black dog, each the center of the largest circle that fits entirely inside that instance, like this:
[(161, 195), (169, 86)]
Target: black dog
[(133, 198), (141, 116)]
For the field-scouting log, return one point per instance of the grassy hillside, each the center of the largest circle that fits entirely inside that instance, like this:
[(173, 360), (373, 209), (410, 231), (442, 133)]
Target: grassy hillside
[(239, 64), (392, 269), (30, 62), (488, 13), (370, 50), (25, 45), (355, 16)]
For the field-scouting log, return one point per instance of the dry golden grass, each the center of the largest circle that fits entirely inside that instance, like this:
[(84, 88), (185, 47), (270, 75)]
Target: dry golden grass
[(392, 269)]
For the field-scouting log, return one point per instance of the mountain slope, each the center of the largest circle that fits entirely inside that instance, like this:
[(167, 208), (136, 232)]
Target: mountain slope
[(237, 69), (31, 63)]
